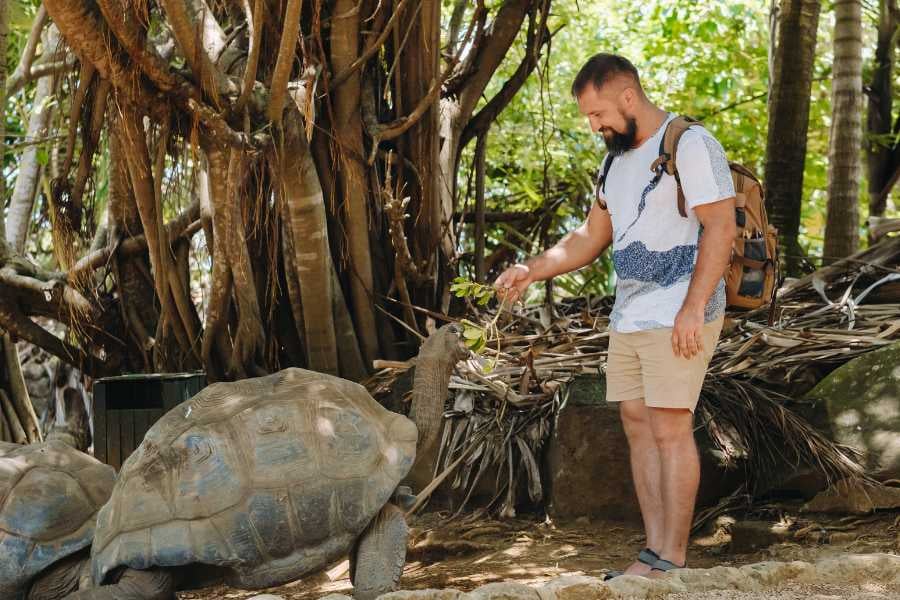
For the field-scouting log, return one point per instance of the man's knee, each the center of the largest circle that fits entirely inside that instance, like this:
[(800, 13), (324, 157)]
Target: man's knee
[(671, 426), (635, 419)]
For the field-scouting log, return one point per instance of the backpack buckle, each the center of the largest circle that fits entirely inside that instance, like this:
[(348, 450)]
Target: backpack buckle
[(660, 163)]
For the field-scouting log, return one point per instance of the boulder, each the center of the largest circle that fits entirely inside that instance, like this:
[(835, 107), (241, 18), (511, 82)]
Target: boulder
[(428, 594), (504, 591), (862, 400), (635, 586), (574, 587), (854, 498), (587, 460)]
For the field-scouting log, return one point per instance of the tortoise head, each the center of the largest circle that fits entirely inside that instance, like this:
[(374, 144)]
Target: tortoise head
[(71, 424)]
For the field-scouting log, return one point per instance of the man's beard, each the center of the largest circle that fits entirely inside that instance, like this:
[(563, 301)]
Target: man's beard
[(620, 143)]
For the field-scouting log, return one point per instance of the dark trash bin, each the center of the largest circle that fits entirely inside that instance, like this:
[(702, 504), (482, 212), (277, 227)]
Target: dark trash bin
[(126, 406)]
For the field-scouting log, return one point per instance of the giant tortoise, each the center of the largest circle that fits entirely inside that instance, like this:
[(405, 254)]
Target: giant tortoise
[(262, 481), (50, 494)]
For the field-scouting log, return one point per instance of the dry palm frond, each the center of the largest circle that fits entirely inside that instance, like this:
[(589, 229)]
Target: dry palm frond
[(752, 425), (500, 421)]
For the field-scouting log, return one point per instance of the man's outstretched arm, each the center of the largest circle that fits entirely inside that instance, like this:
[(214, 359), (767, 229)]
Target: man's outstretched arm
[(577, 249)]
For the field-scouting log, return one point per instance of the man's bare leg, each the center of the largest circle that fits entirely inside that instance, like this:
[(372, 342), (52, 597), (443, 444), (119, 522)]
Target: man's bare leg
[(646, 473), (673, 432)]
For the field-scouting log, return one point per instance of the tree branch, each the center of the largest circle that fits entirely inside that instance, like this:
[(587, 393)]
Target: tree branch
[(20, 326), (498, 217), (39, 69), (371, 49), (201, 40), (400, 126), (285, 61), (459, 8), (537, 37), (133, 40), (489, 54), (184, 225), (255, 20), (34, 37), (733, 105)]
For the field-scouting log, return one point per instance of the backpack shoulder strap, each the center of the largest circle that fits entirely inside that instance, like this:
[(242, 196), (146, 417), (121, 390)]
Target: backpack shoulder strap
[(601, 178), (668, 147), (604, 172)]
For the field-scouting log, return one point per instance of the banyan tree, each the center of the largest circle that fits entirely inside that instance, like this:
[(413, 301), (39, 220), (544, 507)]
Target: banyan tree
[(301, 155)]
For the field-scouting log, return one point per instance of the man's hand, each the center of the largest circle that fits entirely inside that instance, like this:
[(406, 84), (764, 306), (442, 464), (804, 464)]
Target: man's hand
[(513, 282), (687, 334)]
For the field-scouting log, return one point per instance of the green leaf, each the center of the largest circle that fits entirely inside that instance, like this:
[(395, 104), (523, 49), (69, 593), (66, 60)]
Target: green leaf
[(473, 333)]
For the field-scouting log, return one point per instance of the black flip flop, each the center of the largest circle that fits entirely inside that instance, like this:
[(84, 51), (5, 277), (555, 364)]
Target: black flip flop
[(645, 556)]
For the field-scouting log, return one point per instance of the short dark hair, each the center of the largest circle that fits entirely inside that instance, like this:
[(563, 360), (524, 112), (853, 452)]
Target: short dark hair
[(600, 69)]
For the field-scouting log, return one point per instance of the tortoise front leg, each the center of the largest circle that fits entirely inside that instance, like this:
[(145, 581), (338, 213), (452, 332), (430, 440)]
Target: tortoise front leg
[(379, 556), (152, 584), (61, 579)]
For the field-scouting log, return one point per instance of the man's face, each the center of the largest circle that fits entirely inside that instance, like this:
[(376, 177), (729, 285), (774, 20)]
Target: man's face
[(607, 111)]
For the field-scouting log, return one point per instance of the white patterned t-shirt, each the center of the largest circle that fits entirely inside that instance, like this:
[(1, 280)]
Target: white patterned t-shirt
[(654, 247)]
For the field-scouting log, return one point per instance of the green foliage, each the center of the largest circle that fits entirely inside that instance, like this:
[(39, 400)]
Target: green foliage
[(477, 336), (708, 60), (479, 292)]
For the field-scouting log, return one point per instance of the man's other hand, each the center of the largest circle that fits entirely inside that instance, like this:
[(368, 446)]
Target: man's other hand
[(687, 334), (513, 282)]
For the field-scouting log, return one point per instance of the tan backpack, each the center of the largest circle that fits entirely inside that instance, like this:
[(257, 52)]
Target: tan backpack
[(750, 281)]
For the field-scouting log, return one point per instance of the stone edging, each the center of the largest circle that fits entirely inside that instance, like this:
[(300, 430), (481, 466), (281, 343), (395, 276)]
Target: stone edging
[(845, 569)]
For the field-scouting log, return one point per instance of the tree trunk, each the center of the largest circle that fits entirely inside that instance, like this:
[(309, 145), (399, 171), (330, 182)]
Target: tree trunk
[(480, 157), (790, 86), (842, 225), (420, 67), (774, 9), (199, 112), (351, 177), (135, 284), (882, 155), (4, 29), (18, 414), (308, 256), (22, 202)]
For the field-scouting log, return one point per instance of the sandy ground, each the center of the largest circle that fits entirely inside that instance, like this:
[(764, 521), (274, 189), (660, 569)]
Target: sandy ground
[(469, 552)]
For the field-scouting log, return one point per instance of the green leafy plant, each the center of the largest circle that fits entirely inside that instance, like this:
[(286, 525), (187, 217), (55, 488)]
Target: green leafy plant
[(478, 336)]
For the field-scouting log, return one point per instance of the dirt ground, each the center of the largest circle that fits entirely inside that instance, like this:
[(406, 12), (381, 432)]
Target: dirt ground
[(469, 552)]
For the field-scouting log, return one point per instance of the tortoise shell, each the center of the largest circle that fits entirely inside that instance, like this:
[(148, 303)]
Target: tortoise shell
[(50, 494), (269, 478)]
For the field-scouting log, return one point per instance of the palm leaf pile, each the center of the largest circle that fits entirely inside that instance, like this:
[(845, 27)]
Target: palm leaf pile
[(497, 423)]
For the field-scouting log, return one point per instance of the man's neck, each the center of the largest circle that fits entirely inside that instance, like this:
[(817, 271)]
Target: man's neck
[(648, 123)]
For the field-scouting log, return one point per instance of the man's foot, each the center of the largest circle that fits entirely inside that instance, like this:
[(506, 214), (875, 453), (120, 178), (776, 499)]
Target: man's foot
[(662, 567), (645, 561)]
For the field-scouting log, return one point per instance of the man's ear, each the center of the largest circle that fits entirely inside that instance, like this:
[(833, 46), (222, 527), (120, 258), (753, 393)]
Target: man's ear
[(629, 96)]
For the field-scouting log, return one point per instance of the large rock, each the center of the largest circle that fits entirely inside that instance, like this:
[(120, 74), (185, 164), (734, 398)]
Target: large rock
[(862, 399), (574, 587), (504, 591), (587, 459), (855, 498), (427, 594)]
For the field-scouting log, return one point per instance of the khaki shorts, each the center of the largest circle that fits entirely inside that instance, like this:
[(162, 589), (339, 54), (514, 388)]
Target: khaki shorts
[(642, 366)]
